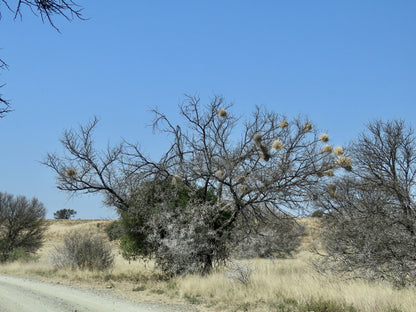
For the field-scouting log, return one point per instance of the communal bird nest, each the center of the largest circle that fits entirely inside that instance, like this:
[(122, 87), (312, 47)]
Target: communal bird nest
[(344, 161), (264, 152), (257, 138), (332, 190), (329, 173), (307, 127), (283, 124), (243, 188), (338, 151), (222, 112), (327, 149), (324, 137), (332, 187), (277, 145), (220, 174), (176, 179), (70, 172)]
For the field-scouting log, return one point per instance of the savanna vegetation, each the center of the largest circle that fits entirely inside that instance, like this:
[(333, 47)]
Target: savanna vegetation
[(222, 182), (258, 284), (216, 221)]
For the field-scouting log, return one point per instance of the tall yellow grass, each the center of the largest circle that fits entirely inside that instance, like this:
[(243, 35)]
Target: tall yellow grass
[(286, 280)]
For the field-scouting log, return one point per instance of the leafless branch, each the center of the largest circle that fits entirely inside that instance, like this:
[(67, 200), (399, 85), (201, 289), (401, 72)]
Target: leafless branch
[(48, 9)]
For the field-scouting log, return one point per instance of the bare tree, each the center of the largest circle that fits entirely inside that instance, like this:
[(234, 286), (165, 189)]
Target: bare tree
[(21, 225), (263, 164), (47, 10), (370, 219)]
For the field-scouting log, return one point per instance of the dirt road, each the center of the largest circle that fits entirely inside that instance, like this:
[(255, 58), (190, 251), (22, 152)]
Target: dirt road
[(19, 294)]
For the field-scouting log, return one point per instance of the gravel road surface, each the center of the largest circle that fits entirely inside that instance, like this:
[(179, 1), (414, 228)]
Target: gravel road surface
[(18, 294)]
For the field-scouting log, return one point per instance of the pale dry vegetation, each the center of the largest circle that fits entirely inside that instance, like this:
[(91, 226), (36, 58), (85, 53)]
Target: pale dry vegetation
[(271, 285), (291, 283)]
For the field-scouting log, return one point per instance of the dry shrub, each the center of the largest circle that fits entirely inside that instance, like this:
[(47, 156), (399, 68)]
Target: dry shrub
[(276, 238), (83, 251), (240, 272)]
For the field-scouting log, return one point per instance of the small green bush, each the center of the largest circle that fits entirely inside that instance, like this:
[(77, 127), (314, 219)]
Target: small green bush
[(83, 251), (22, 255), (192, 299), (394, 309), (139, 288), (317, 214), (114, 230), (327, 306)]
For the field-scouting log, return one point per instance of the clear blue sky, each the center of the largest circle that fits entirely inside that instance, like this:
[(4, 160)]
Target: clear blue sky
[(341, 63)]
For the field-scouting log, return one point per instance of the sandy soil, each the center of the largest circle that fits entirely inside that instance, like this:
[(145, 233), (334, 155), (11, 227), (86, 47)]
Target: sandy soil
[(18, 294)]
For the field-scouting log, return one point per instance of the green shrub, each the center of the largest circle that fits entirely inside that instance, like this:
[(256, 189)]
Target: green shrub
[(21, 226), (139, 288), (22, 255), (114, 230), (317, 214), (327, 306)]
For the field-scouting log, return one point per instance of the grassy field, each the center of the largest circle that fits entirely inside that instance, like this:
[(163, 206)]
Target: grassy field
[(282, 285)]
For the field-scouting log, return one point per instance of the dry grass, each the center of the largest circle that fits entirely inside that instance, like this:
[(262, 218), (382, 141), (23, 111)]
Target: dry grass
[(292, 282), (58, 228), (282, 285)]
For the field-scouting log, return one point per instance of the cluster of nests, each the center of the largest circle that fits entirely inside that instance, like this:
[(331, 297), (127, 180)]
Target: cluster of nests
[(332, 189), (341, 162), (240, 180), (264, 149), (277, 144)]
